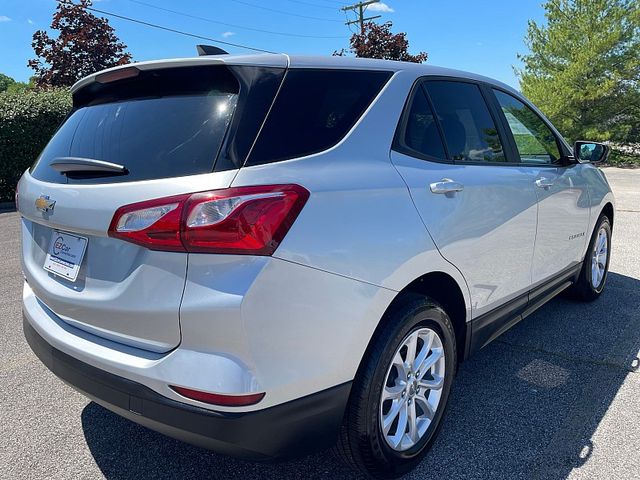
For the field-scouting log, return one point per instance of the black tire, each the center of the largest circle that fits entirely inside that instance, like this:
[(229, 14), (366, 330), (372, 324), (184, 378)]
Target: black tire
[(361, 443), (583, 289)]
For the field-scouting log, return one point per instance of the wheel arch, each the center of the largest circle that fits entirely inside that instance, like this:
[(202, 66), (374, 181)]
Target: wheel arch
[(609, 212), (442, 288), (445, 290)]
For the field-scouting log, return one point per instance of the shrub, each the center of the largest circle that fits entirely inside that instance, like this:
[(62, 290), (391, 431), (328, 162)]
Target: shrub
[(624, 155), (28, 119)]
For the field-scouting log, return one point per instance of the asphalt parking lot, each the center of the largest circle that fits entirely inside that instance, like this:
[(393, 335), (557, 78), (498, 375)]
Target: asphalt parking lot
[(556, 397)]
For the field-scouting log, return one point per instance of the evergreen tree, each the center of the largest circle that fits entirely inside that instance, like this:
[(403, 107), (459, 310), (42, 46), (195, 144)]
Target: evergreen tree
[(583, 68)]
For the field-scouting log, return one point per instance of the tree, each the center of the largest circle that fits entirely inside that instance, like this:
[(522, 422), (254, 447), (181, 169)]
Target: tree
[(9, 85), (377, 41), (5, 82), (85, 44), (19, 87), (583, 68)]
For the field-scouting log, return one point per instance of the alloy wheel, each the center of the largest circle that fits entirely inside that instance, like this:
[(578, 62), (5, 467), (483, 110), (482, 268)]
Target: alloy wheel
[(413, 388), (599, 259)]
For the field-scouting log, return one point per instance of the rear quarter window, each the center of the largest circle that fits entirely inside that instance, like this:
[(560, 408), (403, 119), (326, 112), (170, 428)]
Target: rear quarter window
[(313, 111)]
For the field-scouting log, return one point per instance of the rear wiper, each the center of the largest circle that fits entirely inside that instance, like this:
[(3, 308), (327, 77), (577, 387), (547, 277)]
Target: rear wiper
[(78, 164)]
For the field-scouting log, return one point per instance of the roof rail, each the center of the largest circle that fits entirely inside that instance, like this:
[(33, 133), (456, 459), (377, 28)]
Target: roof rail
[(210, 50)]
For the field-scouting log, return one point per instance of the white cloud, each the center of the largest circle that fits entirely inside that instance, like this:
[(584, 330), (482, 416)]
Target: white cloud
[(380, 7), (228, 34), (4, 18), (29, 21)]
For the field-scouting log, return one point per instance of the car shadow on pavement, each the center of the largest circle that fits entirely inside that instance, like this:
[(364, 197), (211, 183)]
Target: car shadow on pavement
[(526, 406)]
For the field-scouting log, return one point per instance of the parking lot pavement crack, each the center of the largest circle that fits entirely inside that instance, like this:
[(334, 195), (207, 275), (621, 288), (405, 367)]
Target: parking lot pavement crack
[(633, 368)]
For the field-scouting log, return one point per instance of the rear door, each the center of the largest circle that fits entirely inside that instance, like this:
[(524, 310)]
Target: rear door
[(477, 204), (165, 127), (563, 198)]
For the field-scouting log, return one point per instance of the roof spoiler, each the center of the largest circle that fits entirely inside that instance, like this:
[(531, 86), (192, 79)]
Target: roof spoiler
[(210, 50)]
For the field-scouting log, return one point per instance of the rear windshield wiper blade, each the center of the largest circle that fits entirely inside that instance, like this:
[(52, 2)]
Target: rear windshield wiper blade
[(78, 165)]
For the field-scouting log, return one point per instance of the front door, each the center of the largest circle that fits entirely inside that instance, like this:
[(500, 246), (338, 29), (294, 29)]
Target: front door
[(563, 202), (478, 206)]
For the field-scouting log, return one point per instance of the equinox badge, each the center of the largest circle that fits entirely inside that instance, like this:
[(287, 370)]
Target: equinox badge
[(45, 204)]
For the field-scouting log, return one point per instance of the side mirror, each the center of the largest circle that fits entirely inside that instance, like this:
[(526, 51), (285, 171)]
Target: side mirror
[(592, 152)]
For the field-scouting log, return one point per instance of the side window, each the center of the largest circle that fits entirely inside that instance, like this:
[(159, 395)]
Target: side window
[(420, 132), (535, 141), (469, 131), (313, 111)]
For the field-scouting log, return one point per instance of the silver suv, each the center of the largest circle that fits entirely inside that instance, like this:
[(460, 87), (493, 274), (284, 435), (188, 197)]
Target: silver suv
[(266, 255)]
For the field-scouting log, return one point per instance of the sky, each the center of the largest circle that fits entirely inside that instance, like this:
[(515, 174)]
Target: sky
[(483, 37)]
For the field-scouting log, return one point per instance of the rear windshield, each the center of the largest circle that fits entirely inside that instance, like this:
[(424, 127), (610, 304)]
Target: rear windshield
[(313, 111), (161, 124)]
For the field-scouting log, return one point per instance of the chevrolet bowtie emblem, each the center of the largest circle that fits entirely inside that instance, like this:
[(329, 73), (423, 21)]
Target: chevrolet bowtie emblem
[(45, 204)]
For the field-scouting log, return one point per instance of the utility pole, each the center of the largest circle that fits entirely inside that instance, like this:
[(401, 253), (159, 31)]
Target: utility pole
[(360, 8)]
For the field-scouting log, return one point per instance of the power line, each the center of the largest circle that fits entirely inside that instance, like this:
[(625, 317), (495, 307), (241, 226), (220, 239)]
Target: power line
[(361, 7), (335, 2), (313, 4), (285, 12), (232, 25), (168, 29)]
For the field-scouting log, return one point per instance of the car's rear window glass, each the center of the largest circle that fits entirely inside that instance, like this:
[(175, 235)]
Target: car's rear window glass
[(155, 127), (469, 130), (313, 111)]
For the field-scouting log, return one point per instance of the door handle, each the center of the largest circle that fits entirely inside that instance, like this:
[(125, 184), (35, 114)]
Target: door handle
[(544, 182), (446, 185)]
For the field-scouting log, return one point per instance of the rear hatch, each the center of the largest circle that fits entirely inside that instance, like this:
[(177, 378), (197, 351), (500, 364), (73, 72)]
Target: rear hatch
[(134, 134)]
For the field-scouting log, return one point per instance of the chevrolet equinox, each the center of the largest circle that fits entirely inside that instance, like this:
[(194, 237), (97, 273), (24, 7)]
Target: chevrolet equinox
[(269, 254)]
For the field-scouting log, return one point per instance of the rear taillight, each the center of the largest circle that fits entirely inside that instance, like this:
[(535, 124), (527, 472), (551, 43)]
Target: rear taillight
[(243, 220)]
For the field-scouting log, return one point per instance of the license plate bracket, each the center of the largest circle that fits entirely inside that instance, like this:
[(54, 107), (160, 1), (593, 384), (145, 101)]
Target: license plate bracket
[(65, 254)]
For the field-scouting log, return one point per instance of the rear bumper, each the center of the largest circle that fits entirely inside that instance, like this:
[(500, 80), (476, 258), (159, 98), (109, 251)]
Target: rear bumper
[(290, 429)]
